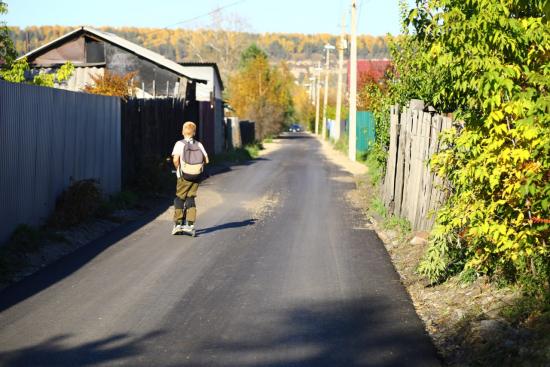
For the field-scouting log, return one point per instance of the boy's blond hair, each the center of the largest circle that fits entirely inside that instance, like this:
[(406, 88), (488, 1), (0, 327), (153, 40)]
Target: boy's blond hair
[(189, 129)]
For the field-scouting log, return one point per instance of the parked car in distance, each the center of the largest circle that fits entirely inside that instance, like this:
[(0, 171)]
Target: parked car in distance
[(295, 128)]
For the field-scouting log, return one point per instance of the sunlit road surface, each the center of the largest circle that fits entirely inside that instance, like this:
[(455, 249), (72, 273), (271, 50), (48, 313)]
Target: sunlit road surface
[(283, 273)]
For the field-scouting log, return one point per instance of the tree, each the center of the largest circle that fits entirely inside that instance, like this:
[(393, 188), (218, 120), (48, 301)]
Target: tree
[(487, 62), (252, 53), (111, 84), (7, 49), (305, 110), (261, 93), (17, 73)]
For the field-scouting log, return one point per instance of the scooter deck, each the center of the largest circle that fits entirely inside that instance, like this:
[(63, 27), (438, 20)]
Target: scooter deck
[(191, 233)]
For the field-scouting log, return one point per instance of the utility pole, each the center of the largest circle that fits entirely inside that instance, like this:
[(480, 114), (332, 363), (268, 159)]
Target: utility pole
[(353, 84), (341, 47), (328, 47), (317, 98), (312, 90)]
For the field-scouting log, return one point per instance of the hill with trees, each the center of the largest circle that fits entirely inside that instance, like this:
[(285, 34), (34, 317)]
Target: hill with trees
[(219, 45)]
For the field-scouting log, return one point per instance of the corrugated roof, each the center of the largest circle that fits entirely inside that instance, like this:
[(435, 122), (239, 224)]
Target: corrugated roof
[(206, 64), (120, 42)]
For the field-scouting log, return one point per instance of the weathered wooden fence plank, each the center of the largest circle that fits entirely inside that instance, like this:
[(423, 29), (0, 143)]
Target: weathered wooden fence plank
[(410, 188), (389, 182), (400, 166)]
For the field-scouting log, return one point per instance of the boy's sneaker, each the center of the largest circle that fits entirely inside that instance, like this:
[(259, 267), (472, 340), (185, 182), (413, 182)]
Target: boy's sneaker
[(187, 228), (177, 229), (190, 229)]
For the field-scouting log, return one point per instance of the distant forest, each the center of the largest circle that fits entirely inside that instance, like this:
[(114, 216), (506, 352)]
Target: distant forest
[(203, 45)]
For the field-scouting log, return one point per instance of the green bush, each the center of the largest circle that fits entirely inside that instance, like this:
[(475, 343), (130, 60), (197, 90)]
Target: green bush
[(239, 155), (488, 62), (485, 61)]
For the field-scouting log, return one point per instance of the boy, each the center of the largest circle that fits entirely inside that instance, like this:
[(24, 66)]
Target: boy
[(188, 157)]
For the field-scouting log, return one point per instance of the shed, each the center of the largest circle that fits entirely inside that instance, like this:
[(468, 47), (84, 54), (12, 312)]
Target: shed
[(93, 51), (209, 95)]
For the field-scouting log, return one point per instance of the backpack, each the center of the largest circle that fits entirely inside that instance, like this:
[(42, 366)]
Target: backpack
[(192, 161)]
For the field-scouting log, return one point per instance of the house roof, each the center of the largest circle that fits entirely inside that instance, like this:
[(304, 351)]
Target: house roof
[(120, 42), (206, 64)]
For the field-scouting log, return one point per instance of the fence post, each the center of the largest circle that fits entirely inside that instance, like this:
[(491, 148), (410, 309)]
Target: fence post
[(389, 180)]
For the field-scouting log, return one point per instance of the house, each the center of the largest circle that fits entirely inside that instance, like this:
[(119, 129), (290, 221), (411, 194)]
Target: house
[(93, 52), (209, 96)]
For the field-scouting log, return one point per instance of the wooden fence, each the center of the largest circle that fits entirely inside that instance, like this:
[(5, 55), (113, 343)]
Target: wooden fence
[(410, 189), (150, 127)]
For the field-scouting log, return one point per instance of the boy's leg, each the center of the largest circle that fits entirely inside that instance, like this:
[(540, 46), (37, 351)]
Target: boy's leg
[(179, 210), (182, 189), (190, 203)]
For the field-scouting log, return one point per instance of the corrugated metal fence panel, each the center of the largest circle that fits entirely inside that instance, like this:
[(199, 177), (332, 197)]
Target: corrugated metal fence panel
[(365, 131), (48, 139)]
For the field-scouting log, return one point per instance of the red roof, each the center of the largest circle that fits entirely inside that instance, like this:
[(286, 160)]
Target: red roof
[(374, 68)]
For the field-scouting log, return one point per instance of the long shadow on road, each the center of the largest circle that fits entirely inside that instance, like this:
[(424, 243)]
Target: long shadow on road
[(244, 223), (53, 352), (344, 333), (67, 265), (348, 332)]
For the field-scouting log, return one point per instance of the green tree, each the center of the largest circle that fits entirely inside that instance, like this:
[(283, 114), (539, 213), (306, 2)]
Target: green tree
[(487, 61), (7, 49), (261, 92), (252, 53), (18, 70)]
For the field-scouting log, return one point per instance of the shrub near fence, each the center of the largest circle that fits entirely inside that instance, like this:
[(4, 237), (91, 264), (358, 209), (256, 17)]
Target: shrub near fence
[(410, 189)]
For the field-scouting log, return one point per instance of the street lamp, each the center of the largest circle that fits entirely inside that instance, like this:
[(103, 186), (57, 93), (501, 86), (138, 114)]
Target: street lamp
[(328, 48)]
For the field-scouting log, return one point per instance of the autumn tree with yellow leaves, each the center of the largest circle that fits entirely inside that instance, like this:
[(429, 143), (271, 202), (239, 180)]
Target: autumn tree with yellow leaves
[(261, 92)]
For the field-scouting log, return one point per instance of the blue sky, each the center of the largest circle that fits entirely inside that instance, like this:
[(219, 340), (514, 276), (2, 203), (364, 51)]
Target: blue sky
[(376, 17)]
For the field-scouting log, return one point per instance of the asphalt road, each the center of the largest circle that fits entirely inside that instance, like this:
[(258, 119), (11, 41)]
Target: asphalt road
[(283, 273)]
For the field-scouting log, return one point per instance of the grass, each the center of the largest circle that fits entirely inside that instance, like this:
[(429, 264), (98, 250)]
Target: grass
[(239, 155), (377, 206), (398, 224), (376, 171), (341, 144), (254, 149)]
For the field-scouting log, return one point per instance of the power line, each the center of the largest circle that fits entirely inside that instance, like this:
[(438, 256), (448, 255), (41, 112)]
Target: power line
[(219, 8), (207, 14)]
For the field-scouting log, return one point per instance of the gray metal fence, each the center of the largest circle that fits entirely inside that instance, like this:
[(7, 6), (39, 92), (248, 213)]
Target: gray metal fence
[(48, 139)]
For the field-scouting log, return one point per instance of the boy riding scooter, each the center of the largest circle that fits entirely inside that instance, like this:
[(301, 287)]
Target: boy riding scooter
[(189, 158)]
